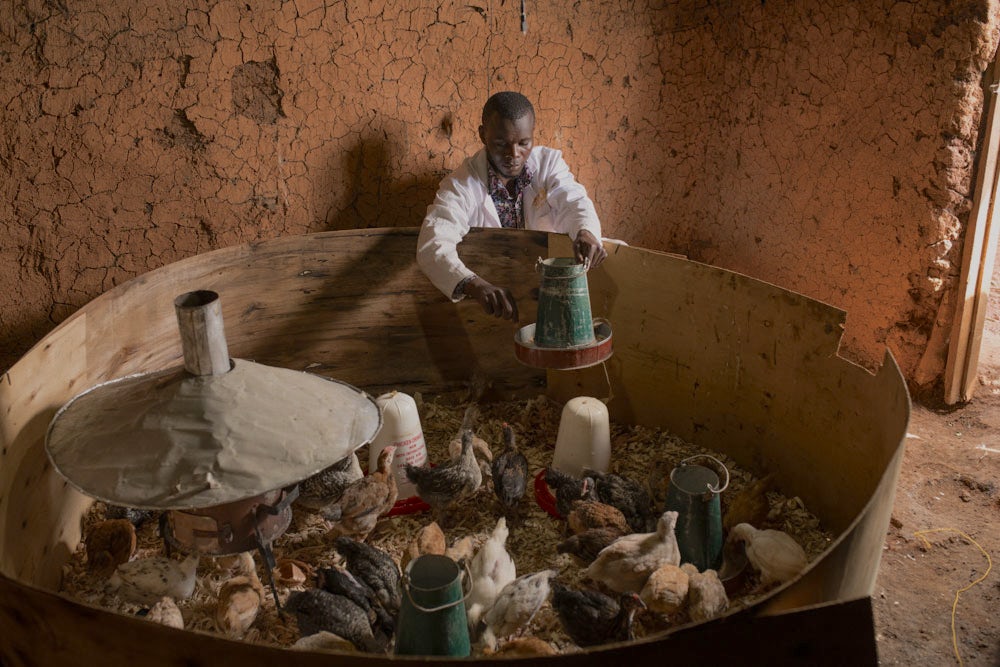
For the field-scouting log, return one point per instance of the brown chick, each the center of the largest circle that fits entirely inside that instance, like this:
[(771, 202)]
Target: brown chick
[(666, 590), (589, 514), (445, 486), (524, 647), (363, 502), (239, 601), (584, 547), (462, 550), (749, 505), (706, 594), (484, 455), (109, 544), (429, 540)]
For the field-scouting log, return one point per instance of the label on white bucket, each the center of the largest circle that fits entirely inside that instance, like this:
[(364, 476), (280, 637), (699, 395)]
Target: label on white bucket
[(400, 429)]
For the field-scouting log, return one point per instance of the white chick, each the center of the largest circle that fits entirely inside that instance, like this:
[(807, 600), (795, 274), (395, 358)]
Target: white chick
[(625, 564), (491, 568), (239, 600), (146, 580), (516, 605), (166, 612), (773, 553), (706, 594), (666, 590)]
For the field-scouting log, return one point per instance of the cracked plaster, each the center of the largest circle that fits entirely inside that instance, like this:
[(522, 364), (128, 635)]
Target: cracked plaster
[(825, 147)]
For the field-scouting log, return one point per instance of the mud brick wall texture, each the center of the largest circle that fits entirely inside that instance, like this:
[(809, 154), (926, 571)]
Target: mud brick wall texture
[(828, 147)]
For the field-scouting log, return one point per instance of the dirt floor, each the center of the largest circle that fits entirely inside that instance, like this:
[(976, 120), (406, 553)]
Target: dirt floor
[(945, 529)]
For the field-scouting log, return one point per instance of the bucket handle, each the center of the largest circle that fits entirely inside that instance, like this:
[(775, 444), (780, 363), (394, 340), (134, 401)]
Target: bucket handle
[(448, 605), (720, 464)]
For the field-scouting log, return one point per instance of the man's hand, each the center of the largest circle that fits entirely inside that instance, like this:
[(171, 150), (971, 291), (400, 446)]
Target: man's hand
[(588, 250), (496, 301)]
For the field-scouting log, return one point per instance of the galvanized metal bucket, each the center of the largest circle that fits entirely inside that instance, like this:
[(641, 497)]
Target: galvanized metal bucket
[(432, 618), (564, 317), (694, 495)]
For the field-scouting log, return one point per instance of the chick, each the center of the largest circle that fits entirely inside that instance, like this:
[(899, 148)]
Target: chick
[(588, 514), (567, 488), (147, 580), (666, 590), (328, 485), (429, 540), (491, 569), (625, 565), (166, 612), (706, 594), (515, 606), (628, 495), (658, 481), (591, 618), (484, 455), (749, 505), (462, 550), (584, 547), (319, 611), (525, 647), (373, 567), (773, 553), (341, 582), (449, 484), (109, 544), (365, 500), (136, 517), (510, 473), (239, 600), (323, 641)]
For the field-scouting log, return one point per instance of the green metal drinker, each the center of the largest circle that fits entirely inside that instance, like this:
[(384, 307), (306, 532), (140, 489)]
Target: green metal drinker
[(694, 495), (566, 335), (432, 618)]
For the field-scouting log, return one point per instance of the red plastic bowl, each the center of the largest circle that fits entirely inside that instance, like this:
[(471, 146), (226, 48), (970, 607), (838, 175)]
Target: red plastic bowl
[(544, 497)]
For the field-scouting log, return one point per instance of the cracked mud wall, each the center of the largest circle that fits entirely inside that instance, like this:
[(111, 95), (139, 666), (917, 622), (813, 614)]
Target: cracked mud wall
[(827, 148)]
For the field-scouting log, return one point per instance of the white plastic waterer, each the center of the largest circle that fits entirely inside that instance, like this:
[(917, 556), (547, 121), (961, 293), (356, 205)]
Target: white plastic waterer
[(584, 438), (400, 429)]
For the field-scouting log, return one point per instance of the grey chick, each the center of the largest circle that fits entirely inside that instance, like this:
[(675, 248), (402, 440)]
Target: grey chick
[(449, 484), (135, 516), (341, 582), (510, 473), (317, 610), (374, 568), (628, 495), (515, 606), (327, 486)]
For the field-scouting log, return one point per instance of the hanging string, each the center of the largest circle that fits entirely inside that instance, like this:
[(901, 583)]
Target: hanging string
[(607, 378), (954, 605)]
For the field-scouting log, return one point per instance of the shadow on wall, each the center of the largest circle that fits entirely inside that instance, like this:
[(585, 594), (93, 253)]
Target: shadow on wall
[(372, 196)]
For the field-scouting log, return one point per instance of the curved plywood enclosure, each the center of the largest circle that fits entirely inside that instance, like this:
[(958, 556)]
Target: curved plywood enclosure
[(723, 361)]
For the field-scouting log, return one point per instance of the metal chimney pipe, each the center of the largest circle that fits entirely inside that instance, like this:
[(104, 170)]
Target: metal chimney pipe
[(203, 336)]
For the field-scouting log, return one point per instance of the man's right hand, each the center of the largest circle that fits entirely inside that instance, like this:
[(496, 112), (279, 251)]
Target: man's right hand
[(496, 301)]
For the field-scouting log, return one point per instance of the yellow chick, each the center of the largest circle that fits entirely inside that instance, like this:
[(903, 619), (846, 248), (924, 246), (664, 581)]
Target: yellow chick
[(239, 600), (166, 612), (146, 580), (625, 565), (773, 553), (430, 540), (666, 590), (706, 594)]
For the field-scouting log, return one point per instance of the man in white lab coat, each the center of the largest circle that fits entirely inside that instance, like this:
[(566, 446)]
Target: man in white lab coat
[(509, 183)]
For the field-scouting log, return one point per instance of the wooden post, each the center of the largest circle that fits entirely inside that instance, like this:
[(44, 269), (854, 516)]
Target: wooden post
[(203, 336)]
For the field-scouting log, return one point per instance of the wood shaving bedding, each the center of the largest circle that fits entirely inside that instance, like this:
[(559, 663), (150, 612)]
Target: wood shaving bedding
[(636, 450)]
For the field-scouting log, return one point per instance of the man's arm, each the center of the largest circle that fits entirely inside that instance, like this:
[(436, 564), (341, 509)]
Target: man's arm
[(444, 227), (572, 210)]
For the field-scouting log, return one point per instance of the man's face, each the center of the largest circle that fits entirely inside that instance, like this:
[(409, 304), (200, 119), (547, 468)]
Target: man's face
[(508, 142)]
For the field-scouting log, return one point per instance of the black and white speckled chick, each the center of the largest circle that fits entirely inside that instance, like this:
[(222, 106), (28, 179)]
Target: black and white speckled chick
[(373, 567), (566, 488), (136, 517), (317, 610), (327, 486), (510, 472), (445, 486)]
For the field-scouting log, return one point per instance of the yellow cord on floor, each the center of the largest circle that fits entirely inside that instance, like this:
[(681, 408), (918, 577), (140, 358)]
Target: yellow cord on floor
[(954, 605)]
